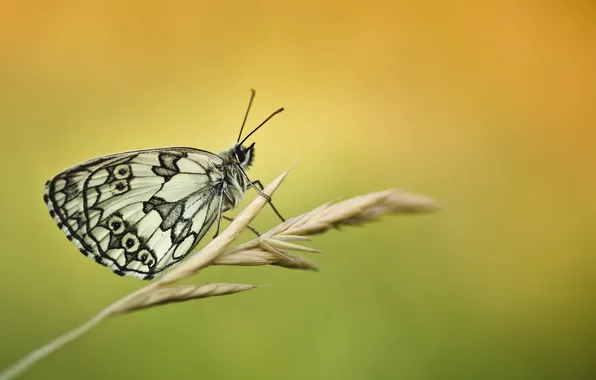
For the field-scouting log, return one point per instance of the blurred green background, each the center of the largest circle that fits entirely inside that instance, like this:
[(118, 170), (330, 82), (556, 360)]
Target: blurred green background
[(487, 106)]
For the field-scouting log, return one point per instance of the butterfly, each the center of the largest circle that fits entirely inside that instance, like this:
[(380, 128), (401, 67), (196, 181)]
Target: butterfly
[(141, 212)]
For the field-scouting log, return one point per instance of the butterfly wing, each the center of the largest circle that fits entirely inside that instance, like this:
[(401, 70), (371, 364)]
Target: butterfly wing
[(137, 212)]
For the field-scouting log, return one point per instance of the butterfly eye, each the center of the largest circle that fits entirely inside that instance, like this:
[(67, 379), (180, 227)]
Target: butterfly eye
[(130, 243), (119, 187), (116, 224), (240, 155), (122, 171)]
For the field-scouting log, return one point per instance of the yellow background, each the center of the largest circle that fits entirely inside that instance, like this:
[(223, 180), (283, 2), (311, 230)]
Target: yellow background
[(486, 106)]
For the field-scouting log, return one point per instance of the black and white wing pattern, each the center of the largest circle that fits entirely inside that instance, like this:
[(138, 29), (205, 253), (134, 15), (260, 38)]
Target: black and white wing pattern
[(138, 212)]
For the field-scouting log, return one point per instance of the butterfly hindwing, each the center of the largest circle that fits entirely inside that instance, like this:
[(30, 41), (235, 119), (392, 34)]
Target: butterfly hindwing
[(137, 212)]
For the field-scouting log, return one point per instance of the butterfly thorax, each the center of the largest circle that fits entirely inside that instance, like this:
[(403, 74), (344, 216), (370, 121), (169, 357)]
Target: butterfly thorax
[(233, 187), (235, 161)]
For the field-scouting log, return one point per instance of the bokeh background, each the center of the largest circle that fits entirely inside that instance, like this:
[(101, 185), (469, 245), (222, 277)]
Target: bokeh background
[(487, 106)]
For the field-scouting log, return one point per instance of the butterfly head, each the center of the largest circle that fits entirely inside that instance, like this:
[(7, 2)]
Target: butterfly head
[(244, 155)]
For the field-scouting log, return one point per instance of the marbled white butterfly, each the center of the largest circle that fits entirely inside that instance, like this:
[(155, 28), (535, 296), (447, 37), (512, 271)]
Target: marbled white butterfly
[(140, 212)]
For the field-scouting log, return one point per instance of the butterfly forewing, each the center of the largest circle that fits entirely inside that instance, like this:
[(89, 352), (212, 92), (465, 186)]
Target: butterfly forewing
[(138, 212)]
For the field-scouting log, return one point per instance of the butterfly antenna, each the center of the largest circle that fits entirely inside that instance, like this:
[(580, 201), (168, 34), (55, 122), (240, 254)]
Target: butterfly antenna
[(252, 96), (260, 125)]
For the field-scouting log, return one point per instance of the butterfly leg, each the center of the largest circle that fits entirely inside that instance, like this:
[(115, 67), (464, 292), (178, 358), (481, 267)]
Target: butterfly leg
[(258, 186), (248, 227), (219, 214)]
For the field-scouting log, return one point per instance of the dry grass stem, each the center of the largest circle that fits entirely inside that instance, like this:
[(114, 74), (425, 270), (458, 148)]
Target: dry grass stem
[(275, 247), (256, 257), (162, 296)]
